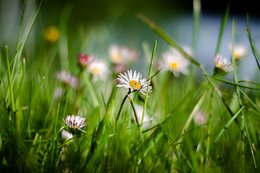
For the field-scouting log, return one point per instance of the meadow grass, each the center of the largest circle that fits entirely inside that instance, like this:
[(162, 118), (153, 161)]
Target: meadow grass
[(225, 138)]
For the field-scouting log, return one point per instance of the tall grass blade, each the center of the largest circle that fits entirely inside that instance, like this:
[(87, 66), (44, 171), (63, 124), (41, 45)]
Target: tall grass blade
[(10, 77), (92, 91), (23, 37), (250, 101), (148, 77), (252, 44), (165, 36), (246, 132), (227, 125), (196, 23), (222, 28), (189, 120), (237, 84), (63, 43)]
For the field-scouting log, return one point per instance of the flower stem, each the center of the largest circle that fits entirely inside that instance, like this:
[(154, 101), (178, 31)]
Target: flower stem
[(148, 77), (122, 104), (78, 92), (135, 114)]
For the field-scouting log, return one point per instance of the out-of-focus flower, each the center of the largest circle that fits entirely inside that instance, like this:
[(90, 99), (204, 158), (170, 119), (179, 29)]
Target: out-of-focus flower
[(222, 64), (173, 61), (147, 120), (84, 60), (239, 52), (122, 54), (58, 93), (75, 122), (65, 135), (98, 69), (200, 118), (133, 82), (119, 68), (68, 79), (51, 34)]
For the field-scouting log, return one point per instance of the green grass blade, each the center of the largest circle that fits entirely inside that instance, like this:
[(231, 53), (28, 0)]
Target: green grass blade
[(196, 23), (241, 103), (251, 145), (250, 101), (103, 101), (252, 44), (10, 78), (227, 125), (134, 110), (63, 41), (56, 121), (243, 123), (147, 51), (92, 91), (222, 28), (236, 84), (189, 120), (165, 36), (148, 77), (250, 82), (20, 26), (23, 38)]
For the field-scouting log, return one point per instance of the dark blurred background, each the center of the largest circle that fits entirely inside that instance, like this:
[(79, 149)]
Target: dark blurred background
[(90, 26), (94, 11)]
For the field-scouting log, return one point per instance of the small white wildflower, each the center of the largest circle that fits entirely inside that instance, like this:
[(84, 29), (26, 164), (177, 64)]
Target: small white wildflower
[(239, 52), (173, 61), (68, 79), (58, 93), (98, 69), (200, 118), (75, 122), (222, 64), (122, 54), (65, 135), (133, 81), (139, 112)]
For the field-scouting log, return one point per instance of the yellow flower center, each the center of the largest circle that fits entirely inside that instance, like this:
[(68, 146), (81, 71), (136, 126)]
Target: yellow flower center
[(135, 85), (51, 34), (174, 65), (96, 71), (116, 58), (236, 55), (219, 65)]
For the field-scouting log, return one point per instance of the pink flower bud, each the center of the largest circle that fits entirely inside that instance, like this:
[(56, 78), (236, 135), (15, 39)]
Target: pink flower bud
[(84, 60)]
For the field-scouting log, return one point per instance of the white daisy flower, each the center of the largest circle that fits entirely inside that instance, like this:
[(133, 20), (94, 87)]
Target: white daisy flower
[(239, 52), (98, 69), (139, 112), (68, 79), (173, 61), (222, 64), (65, 135), (133, 81), (58, 93), (75, 122), (200, 118), (122, 54)]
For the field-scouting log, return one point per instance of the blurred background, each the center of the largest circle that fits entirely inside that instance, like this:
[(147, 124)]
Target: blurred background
[(90, 26)]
